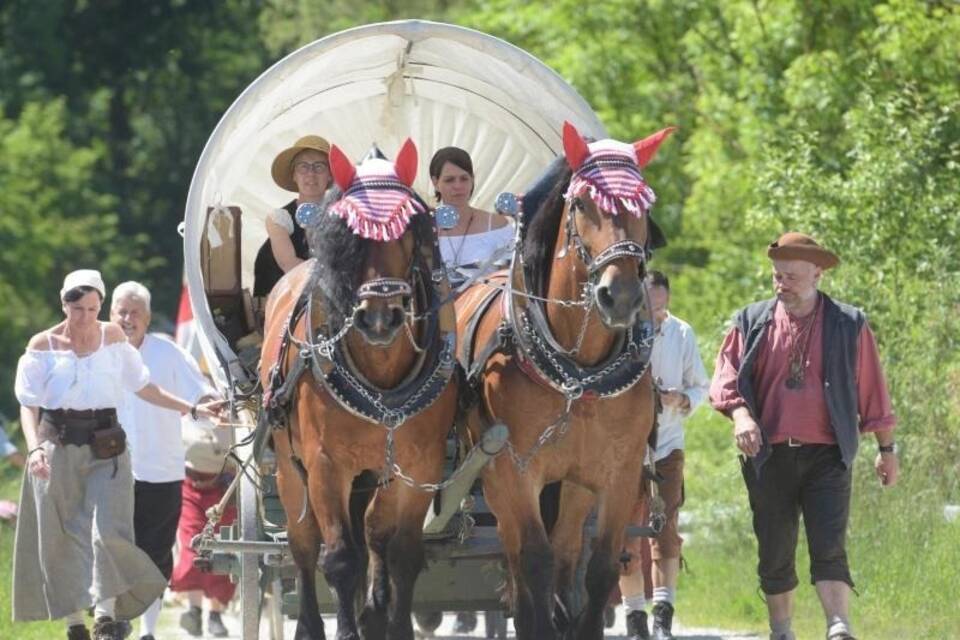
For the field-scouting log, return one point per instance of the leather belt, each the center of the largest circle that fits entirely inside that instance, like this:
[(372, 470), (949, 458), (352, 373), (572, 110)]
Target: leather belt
[(73, 426)]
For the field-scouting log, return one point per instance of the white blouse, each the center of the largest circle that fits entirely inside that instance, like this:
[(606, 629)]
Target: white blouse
[(59, 379), (466, 253), (281, 218)]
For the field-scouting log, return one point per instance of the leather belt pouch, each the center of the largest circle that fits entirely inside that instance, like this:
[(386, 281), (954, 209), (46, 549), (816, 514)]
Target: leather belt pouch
[(108, 443)]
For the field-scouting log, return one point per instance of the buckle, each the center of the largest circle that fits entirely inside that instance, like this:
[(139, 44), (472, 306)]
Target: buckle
[(794, 443)]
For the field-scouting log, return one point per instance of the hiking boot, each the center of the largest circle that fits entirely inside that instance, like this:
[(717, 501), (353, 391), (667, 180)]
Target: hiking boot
[(466, 622), (215, 625), (107, 629), (637, 625), (125, 628), (662, 621), (191, 621), (78, 632)]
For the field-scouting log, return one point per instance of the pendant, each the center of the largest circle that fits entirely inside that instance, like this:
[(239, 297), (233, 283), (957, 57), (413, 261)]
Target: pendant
[(795, 379), (446, 216)]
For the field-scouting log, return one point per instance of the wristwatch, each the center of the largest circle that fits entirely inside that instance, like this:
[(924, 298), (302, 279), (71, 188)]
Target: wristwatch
[(888, 448)]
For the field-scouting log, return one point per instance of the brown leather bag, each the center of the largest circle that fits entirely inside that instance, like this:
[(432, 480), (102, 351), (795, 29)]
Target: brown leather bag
[(108, 443)]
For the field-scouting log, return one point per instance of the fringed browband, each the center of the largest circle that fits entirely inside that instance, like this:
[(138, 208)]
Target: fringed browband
[(378, 207), (612, 179)]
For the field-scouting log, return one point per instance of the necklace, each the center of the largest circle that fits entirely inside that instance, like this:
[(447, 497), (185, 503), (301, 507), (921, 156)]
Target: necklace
[(463, 241), (799, 349)]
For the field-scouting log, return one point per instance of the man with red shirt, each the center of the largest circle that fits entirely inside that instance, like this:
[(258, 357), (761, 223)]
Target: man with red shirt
[(800, 376)]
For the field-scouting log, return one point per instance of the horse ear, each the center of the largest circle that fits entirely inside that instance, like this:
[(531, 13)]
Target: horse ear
[(574, 146), (647, 148), (342, 169), (406, 163)]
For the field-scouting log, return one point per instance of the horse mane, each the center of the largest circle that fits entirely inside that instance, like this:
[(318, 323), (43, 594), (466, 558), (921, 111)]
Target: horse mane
[(341, 254), (543, 214)]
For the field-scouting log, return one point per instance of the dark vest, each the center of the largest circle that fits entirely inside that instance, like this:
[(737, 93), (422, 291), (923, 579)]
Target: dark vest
[(266, 271), (841, 334)]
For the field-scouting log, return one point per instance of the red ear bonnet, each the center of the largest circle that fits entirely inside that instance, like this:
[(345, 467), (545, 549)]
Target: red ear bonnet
[(342, 169), (406, 163), (647, 148), (574, 146)]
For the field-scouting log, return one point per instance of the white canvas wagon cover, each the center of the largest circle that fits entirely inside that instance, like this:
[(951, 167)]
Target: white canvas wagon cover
[(439, 84)]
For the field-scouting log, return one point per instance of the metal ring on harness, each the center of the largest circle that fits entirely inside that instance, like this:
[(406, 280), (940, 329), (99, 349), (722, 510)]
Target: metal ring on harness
[(572, 389)]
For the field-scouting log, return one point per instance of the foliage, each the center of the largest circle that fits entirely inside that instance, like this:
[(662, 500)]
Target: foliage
[(53, 221)]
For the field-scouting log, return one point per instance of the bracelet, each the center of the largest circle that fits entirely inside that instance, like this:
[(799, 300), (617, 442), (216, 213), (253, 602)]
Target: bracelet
[(39, 447), (887, 448), (193, 411)]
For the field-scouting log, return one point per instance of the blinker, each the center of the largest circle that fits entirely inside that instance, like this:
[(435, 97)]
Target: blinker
[(446, 216), (307, 213), (507, 204)]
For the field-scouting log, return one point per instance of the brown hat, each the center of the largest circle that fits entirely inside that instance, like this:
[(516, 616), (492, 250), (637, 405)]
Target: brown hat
[(798, 246), (282, 168)]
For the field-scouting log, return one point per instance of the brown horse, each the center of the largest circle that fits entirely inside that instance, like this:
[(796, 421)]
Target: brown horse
[(560, 353), (357, 364)]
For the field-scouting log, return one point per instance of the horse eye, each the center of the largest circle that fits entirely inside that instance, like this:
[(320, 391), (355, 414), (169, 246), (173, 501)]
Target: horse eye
[(577, 204)]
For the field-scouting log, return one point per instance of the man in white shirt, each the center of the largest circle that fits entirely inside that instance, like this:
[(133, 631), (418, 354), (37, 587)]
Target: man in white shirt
[(154, 436), (683, 383)]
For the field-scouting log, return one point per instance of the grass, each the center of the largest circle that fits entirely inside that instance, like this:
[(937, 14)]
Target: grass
[(903, 554), (10, 480)]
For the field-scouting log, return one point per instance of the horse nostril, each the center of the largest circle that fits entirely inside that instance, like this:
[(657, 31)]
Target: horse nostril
[(604, 298), (396, 317), (360, 318)]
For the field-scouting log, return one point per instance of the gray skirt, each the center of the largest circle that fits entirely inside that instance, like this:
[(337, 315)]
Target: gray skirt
[(75, 544)]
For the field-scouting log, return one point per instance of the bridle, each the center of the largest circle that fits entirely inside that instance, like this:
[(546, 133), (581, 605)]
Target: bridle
[(619, 249)]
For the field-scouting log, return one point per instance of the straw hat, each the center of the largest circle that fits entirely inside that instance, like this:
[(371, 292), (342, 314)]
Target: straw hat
[(282, 168), (799, 246), (204, 448)]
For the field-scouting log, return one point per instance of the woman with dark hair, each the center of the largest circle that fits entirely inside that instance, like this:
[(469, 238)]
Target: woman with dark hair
[(469, 239), (468, 236), (74, 545), (303, 169)]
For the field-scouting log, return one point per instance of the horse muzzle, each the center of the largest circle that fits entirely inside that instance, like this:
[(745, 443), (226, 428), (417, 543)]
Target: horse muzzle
[(378, 323), (619, 299), (376, 317)]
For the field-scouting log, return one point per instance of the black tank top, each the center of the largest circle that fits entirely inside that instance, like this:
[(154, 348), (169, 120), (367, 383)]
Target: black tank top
[(266, 271)]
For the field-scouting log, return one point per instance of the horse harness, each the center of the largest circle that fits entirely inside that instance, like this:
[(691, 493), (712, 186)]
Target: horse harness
[(322, 352), (525, 333)]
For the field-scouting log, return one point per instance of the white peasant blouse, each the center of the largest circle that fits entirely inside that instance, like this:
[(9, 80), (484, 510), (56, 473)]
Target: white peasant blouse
[(59, 379)]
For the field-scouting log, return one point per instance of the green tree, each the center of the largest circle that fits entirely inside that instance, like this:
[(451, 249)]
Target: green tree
[(51, 222)]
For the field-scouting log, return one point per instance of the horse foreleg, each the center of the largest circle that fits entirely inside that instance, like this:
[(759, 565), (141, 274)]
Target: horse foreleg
[(514, 500), (567, 541), (304, 538), (405, 558), (342, 562), (379, 526), (603, 568)]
